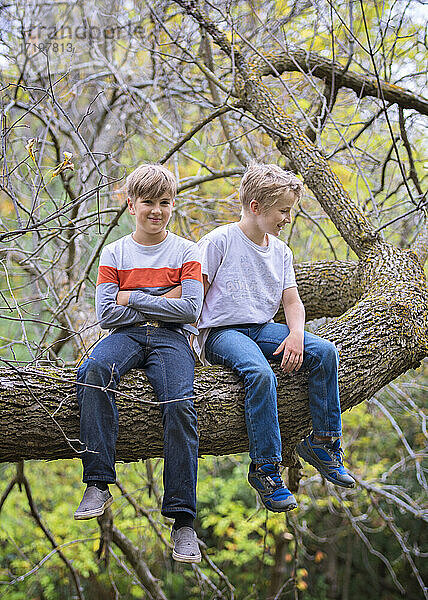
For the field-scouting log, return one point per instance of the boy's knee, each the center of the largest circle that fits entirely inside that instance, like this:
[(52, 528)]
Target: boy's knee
[(327, 351), (96, 372), (331, 349), (263, 377), (179, 413)]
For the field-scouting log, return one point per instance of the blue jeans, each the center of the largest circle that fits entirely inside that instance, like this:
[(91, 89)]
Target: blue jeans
[(168, 362), (246, 349)]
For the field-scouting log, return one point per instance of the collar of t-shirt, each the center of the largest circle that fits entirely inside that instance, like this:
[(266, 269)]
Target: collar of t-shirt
[(247, 240), (150, 248)]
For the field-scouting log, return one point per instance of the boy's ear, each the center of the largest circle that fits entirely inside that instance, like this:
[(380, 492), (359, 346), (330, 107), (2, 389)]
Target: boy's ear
[(255, 207), (131, 206)]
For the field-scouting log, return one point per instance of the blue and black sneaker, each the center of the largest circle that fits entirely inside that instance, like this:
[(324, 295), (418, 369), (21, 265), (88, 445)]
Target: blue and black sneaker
[(267, 481), (327, 458)]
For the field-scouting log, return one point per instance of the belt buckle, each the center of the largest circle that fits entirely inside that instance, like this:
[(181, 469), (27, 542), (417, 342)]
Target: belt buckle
[(153, 323)]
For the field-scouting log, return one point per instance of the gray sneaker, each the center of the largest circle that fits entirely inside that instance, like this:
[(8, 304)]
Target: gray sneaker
[(94, 503), (186, 547)]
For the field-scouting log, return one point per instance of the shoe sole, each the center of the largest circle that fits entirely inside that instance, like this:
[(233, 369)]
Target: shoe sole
[(291, 506), (186, 559), (303, 453), (280, 510), (95, 513)]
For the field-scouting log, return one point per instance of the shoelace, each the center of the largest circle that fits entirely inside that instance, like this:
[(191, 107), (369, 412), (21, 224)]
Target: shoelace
[(278, 481), (338, 454), (276, 478)]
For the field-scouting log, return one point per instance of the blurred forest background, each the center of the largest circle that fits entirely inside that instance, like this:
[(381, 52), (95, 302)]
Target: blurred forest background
[(91, 89)]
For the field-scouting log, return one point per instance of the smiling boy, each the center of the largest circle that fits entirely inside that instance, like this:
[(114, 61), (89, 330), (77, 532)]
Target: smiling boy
[(247, 271), (149, 291)]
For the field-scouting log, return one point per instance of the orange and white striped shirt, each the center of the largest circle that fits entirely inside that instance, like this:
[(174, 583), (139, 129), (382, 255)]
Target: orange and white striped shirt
[(148, 272)]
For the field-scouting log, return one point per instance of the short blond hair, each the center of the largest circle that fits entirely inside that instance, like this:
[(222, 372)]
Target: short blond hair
[(150, 181), (265, 183)]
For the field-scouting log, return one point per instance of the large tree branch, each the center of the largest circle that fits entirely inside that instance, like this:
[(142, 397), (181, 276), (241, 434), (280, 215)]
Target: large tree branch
[(368, 361), (382, 336), (26, 432), (317, 66), (328, 288)]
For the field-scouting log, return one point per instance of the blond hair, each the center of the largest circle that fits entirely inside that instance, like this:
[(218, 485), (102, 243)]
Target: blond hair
[(265, 183), (150, 181)]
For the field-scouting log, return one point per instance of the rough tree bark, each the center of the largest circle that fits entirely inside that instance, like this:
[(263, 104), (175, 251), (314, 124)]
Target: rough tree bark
[(277, 63), (379, 310)]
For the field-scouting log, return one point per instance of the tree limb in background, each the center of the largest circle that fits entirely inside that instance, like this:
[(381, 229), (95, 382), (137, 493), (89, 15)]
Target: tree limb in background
[(21, 480), (320, 67)]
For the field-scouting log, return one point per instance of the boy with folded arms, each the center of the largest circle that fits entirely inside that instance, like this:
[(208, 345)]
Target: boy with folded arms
[(149, 291)]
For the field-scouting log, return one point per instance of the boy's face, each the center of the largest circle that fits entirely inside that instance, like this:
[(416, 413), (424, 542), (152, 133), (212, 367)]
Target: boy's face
[(151, 214), (273, 219)]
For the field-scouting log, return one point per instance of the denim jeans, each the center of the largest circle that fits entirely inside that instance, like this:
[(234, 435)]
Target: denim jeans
[(168, 362), (245, 349)]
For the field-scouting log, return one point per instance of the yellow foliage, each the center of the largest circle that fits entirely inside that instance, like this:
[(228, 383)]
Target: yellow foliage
[(344, 173), (66, 164), (6, 206), (282, 6), (420, 440), (30, 148), (231, 546)]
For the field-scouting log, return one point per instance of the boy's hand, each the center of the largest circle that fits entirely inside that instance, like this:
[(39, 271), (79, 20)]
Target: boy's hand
[(174, 293), (293, 352), (122, 298)]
